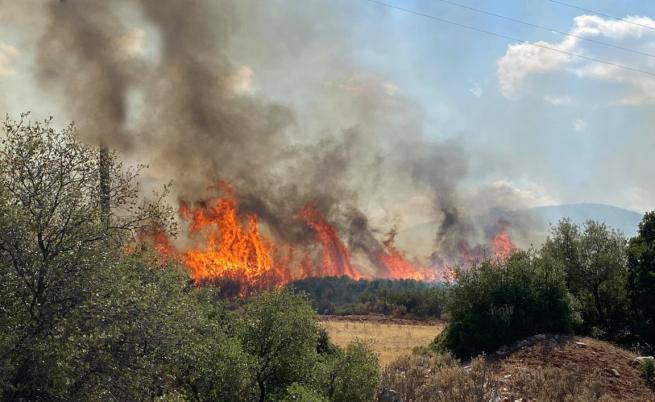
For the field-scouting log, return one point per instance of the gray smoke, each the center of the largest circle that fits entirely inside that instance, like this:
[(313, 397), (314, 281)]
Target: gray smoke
[(363, 151)]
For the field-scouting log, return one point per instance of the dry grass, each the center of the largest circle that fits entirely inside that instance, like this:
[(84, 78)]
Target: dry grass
[(390, 340)]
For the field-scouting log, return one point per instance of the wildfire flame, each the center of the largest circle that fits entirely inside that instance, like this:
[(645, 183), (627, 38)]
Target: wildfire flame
[(230, 251), (336, 256), (228, 248), (501, 244), (394, 265)]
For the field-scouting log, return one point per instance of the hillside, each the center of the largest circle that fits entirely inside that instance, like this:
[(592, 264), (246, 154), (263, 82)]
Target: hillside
[(570, 364)]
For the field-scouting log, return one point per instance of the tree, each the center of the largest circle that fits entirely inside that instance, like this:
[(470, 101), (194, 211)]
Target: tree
[(641, 282), (352, 374), (594, 258), (500, 302), (282, 334), (52, 242)]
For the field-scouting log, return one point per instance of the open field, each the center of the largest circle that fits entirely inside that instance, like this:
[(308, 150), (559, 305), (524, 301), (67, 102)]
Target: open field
[(390, 339)]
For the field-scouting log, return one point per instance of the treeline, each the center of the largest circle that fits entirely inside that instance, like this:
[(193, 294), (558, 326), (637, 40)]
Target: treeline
[(86, 314), (398, 298), (586, 279)]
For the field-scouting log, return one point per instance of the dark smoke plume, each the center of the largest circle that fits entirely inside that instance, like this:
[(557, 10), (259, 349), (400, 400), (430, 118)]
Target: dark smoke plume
[(193, 126)]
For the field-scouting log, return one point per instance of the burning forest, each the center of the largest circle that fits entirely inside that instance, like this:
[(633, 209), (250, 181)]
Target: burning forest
[(226, 247), (313, 191)]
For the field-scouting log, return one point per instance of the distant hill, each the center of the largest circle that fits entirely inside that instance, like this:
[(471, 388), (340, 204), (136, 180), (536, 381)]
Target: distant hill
[(530, 226), (622, 219)]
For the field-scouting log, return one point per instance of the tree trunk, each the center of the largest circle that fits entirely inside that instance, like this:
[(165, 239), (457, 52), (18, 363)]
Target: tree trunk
[(105, 201)]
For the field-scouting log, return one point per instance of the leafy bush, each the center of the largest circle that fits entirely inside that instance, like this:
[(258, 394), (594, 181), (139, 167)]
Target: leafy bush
[(499, 302), (351, 374), (648, 372), (300, 393), (438, 378)]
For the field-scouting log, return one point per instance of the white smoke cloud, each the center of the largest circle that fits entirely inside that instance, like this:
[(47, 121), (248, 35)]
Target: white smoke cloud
[(8, 55)]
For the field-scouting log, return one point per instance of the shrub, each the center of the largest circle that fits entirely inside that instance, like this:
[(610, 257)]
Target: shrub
[(499, 302), (438, 378), (352, 374), (648, 372), (300, 393)]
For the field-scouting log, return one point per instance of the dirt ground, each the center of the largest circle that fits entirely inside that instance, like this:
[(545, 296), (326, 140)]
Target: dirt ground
[(611, 367)]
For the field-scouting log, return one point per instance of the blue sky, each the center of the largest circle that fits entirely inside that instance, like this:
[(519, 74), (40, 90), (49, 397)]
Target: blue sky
[(565, 135), (538, 127)]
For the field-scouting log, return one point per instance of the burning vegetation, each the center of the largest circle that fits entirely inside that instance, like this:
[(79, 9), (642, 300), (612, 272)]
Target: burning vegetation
[(226, 247)]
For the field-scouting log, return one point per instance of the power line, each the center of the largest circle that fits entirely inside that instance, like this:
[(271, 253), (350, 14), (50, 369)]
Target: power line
[(587, 10), (530, 24), (512, 38)]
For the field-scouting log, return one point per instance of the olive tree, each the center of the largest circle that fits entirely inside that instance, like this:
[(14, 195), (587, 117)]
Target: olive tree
[(595, 261), (52, 237)]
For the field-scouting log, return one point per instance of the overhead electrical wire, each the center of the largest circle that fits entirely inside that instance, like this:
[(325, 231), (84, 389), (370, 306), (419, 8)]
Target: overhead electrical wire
[(533, 25), (512, 38), (588, 10)]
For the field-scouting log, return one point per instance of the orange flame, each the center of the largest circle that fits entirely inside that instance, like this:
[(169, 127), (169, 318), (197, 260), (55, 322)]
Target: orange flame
[(228, 249), (395, 266), (501, 244), (336, 257)]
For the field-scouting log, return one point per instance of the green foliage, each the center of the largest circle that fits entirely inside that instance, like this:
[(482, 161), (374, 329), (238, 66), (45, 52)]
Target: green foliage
[(282, 334), (499, 302), (346, 296), (648, 372), (641, 282), (300, 393), (351, 375), (594, 258)]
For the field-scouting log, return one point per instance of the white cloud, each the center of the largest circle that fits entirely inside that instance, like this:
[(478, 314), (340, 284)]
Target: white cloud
[(476, 90), (8, 55), (580, 125), (559, 100), (525, 60)]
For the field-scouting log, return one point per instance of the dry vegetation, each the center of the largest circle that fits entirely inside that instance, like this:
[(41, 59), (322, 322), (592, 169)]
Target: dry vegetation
[(390, 338), (571, 369)]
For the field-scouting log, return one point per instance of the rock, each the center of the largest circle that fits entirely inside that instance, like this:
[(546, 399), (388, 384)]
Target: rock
[(540, 337), (643, 359), (615, 372), (581, 344)]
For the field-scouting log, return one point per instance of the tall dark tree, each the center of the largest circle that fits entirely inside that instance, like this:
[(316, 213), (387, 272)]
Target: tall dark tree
[(641, 283)]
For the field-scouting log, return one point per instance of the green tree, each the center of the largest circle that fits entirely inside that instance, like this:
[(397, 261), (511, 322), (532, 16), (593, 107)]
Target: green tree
[(52, 245), (594, 257), (499, 302), (281, 333), (352, 374), (641, 283)]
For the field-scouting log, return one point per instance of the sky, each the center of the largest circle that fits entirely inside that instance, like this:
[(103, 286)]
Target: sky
[(539, 127)]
